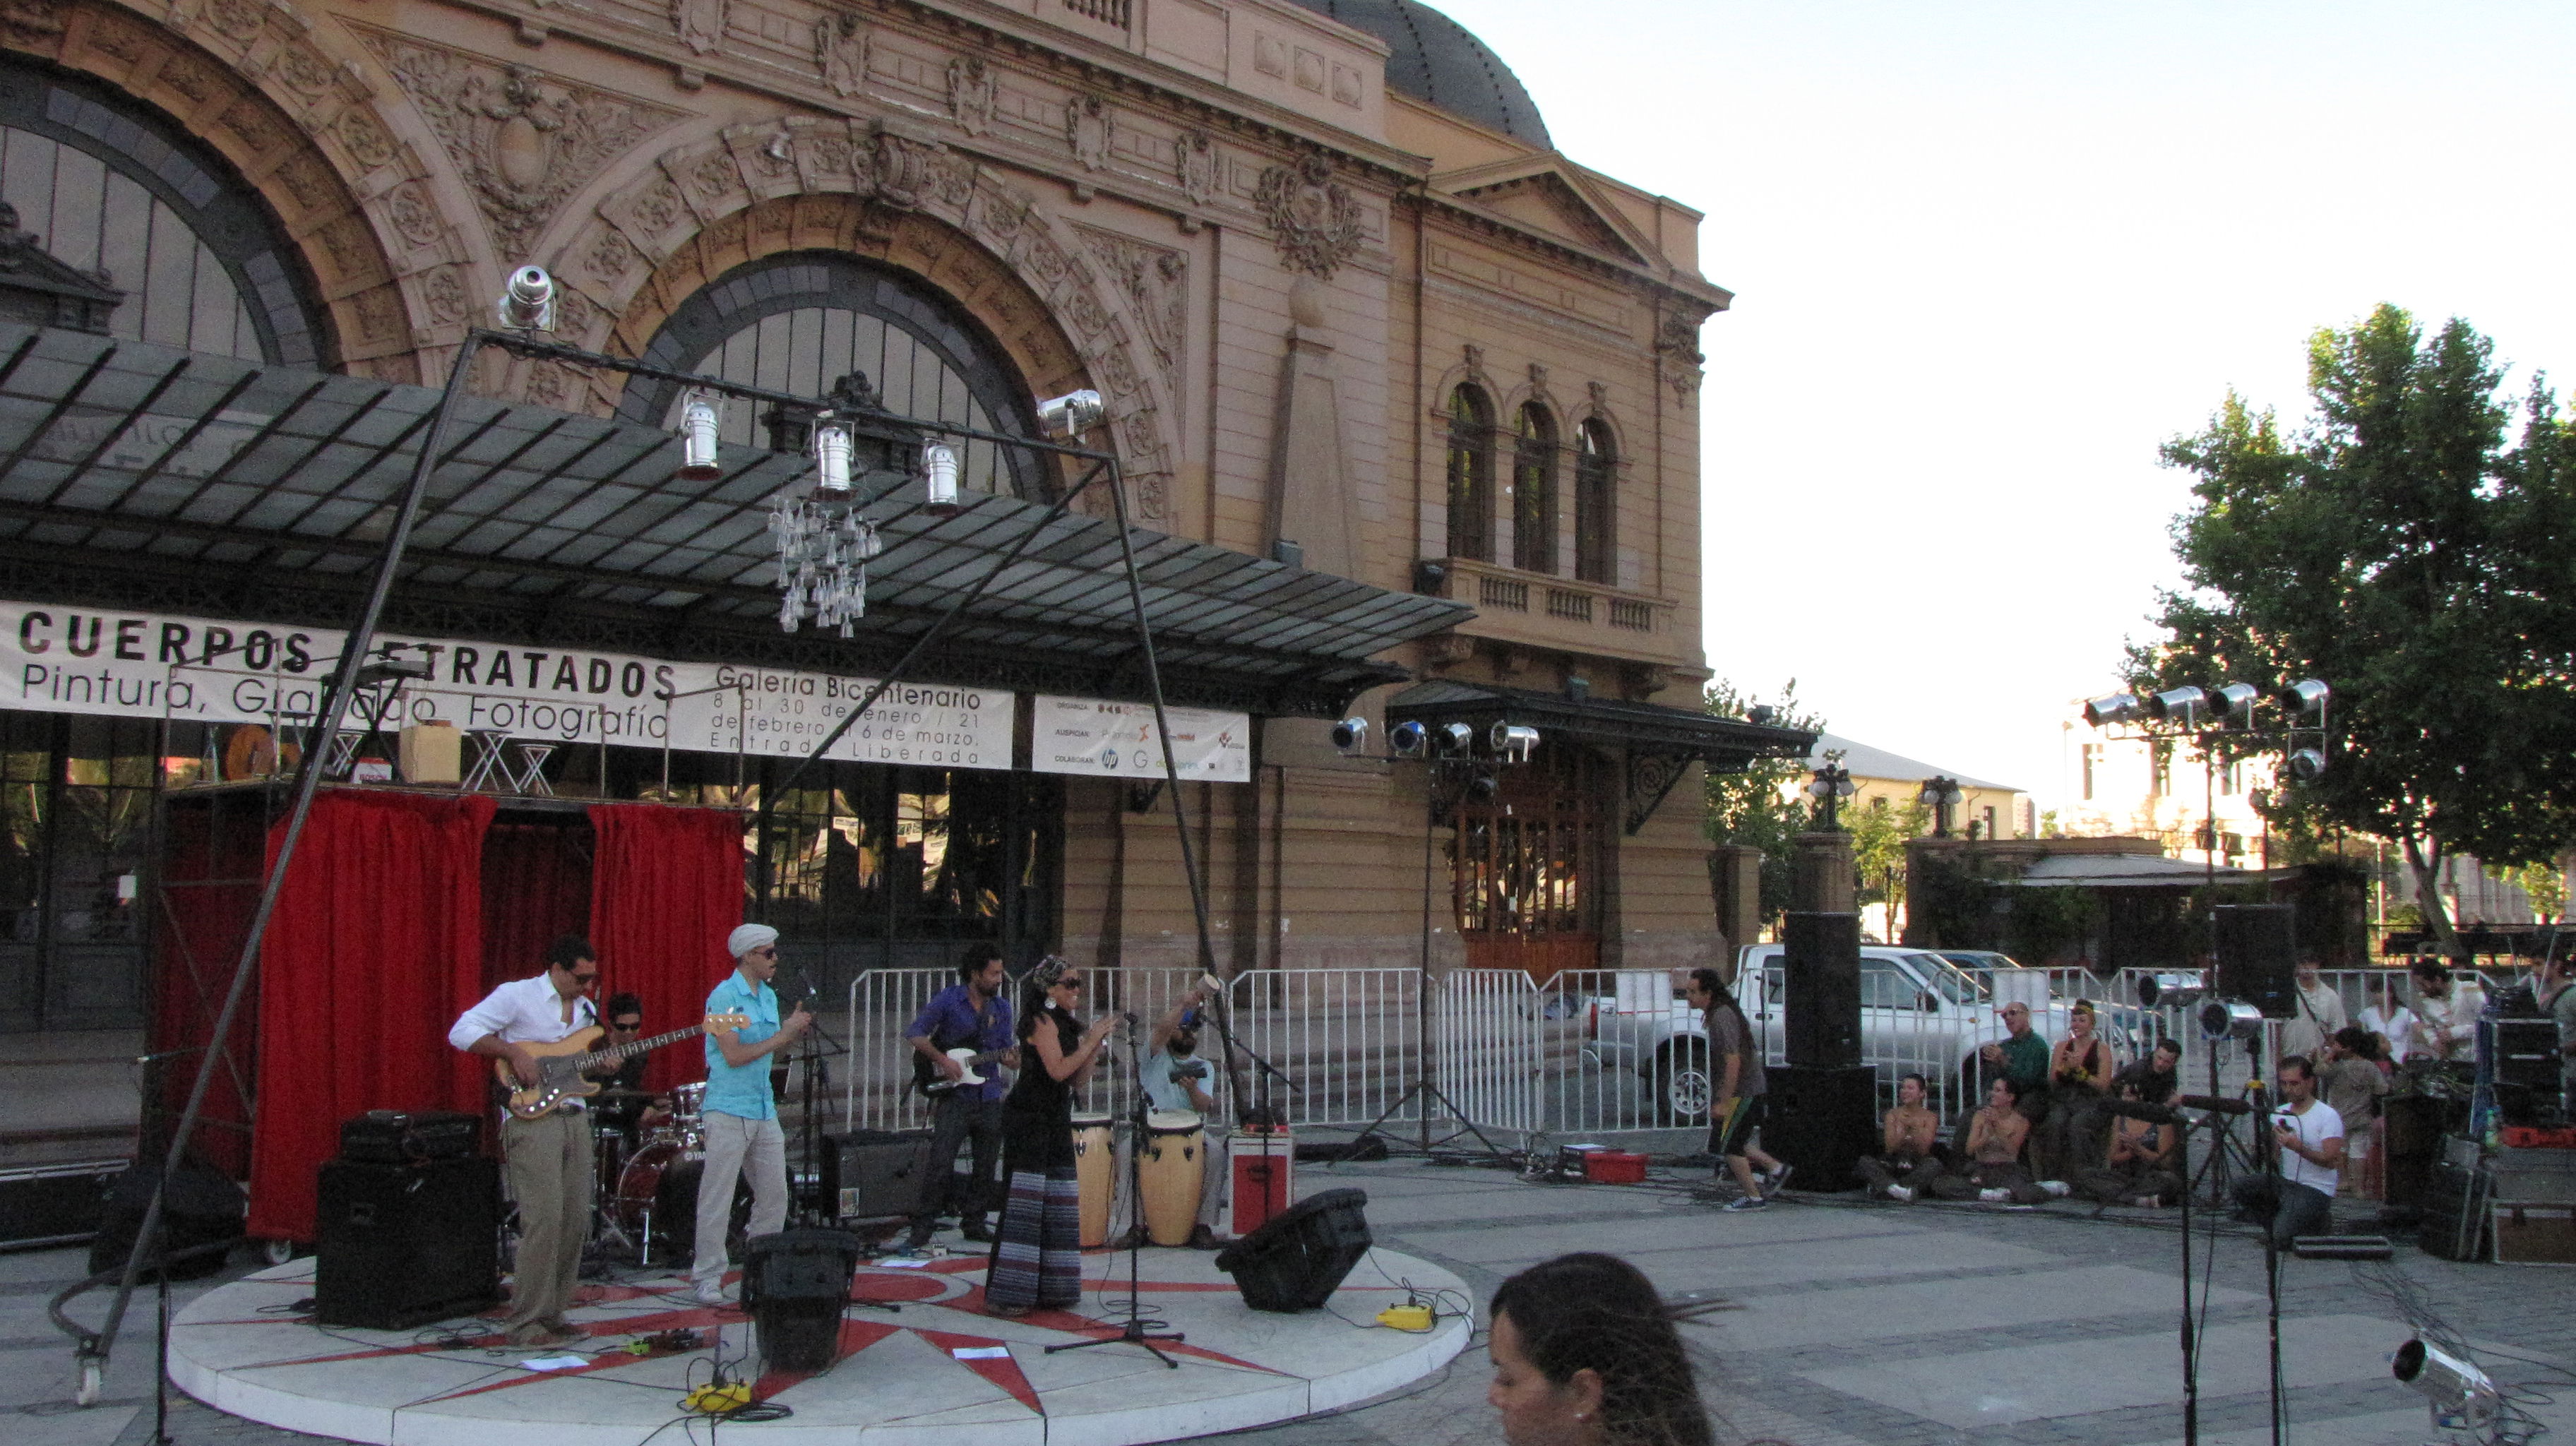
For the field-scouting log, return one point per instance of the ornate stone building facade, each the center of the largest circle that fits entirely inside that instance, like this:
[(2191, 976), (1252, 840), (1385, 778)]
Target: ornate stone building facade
[(1348, 308)]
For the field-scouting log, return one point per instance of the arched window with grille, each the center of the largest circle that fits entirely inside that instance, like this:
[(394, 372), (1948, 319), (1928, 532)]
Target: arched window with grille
[(1471, 474), (1534, 490), (1596, 502)]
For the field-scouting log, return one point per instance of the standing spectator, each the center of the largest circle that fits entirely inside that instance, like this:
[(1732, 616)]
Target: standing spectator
[(2353, 1082), (2140, 1167), (2296, 1197), (2558, 1001), (1994, 1171), (2320, 1014), (1736, 1074), (2071, 1133), (2446, 1011), (1908, 1143), (2388, 1017)]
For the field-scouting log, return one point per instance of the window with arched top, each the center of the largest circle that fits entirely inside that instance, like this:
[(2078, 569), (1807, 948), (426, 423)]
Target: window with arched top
[(1534, 489), (1471, 474), (1596, 502)]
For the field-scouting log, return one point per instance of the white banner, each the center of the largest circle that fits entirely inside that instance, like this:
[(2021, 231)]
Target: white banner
[(1084, 735), (64, 659)]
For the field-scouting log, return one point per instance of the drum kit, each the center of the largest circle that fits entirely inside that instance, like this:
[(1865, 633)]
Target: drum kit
[(1168, 1179), (648, 1189)]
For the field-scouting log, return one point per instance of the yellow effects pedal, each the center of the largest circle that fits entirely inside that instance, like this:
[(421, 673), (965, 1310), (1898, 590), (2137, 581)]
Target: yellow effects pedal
[(1406, 1317), (716, 1400)]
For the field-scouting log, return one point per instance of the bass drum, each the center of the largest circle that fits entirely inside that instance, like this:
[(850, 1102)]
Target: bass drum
[(660, 1184)]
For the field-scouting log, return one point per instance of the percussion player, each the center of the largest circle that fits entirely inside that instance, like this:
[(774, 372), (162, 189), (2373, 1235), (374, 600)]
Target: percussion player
[(1177, 1079), (740, 1113), (549, 1159)]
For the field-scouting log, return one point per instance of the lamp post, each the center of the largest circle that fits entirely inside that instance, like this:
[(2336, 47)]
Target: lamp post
[(1941, 794), (1831, 785)]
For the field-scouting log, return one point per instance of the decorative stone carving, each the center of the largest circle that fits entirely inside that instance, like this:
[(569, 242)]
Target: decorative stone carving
[(525, 139), (415, 215), (971, 93), (1600, 396), (1195, 153), (379, 314), (240, 19), (1677, 346), (1314, 219), (189, 76), (700, 23), (116, 38), (1153, 279), (365, 139), (1086, 129), (903, 169), (445, 294), (841, 52), (304, 71)]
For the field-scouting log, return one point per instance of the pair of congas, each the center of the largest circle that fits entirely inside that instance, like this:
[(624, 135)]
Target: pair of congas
[(1168, 1177)]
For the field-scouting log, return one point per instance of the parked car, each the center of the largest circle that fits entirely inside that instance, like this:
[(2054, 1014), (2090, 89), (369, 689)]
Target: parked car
[(1920, 1014)]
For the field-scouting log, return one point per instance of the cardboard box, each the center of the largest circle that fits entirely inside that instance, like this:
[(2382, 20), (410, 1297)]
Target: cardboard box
[(433, 753), (2535, 1234)]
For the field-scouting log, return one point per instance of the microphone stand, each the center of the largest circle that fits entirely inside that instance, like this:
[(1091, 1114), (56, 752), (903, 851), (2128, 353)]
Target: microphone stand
[(1135, 1332), (815, 1210)]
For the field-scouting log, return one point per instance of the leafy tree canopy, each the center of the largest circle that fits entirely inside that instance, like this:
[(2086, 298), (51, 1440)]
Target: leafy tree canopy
[(1757, 807)]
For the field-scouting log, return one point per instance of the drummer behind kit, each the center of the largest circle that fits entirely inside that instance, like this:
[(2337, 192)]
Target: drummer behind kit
[(560, 1080)]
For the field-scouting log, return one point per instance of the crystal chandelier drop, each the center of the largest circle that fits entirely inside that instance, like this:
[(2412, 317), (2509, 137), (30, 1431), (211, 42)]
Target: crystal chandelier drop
[(824, 542)]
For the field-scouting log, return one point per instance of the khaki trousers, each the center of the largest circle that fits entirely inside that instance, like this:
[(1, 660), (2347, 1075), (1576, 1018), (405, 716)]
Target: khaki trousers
[(753, 1150), (550, 1168)]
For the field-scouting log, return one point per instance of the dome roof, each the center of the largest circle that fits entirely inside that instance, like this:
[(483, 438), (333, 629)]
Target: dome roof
[(1436, 59)]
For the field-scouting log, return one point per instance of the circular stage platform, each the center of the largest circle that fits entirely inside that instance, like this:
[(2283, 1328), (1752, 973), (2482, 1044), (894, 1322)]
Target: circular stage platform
[(935, 1368)]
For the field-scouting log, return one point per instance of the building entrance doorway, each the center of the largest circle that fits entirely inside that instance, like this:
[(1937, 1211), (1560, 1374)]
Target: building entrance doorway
[(1526, 866)]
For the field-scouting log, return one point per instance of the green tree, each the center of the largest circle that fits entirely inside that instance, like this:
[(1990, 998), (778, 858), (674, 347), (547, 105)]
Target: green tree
[(1760, 807), (1878, 835), (2412, 547)]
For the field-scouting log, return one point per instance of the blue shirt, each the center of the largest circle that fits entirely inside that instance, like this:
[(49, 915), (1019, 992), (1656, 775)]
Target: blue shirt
[(742, 1090), (949, 1022)]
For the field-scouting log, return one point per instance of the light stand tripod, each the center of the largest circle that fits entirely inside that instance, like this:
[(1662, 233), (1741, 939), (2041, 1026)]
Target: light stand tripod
[(1137, 1331)]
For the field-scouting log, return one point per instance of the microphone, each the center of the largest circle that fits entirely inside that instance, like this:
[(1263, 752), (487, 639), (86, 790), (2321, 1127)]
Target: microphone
[(2214, 1103), (2141, 1110)]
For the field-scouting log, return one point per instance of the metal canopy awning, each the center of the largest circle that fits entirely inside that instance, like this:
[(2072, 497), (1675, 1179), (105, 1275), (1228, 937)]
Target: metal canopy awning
[(1659, 742), (109, 449)]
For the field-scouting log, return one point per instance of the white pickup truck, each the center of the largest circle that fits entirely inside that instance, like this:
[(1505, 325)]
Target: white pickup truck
[(1919, 1014)]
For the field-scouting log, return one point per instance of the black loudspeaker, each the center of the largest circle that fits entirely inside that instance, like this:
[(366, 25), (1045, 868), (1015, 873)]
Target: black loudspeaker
[(2455, 1214), (391, 1137), (1297, 1260), (795, 1284), (2526, 1064), (1820, 1121), (877, 1173), (399, 1246), (2258, 956), (1822, 1026), (54, 1204), (201, 1208)]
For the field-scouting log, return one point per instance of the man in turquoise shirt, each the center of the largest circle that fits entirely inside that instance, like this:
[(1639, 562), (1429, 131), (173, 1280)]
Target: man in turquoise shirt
[(740, 1117)]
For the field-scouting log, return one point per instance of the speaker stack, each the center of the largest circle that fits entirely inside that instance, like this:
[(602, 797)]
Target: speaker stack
[(201, 1208), (1822, 1109), (2257, 949), (2526, 1064), (1298, 1260), (877, 1174), (402, 1245), (795, 1284)]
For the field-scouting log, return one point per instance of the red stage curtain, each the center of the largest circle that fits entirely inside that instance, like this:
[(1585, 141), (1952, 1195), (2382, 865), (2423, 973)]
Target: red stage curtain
[(211, 866), (536, 889), (666, 889), (375, 949)]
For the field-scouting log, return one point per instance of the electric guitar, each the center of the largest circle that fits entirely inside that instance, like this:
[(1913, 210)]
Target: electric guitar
[(560, 1065), (927, 1078)]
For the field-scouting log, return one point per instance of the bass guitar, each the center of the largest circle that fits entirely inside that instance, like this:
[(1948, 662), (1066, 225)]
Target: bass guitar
[(561, 1065), (927, 1078)]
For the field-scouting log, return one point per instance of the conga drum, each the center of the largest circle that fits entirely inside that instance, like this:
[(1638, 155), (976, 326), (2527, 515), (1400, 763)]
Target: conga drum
[(1169, 1175), (1094, 1174)]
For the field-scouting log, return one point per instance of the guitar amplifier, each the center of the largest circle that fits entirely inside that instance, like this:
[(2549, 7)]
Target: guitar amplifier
[(399, 1246), (877, 1173), (391, 1137)]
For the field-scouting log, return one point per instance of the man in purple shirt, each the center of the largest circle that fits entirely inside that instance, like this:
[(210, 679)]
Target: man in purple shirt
[(970, 1014)]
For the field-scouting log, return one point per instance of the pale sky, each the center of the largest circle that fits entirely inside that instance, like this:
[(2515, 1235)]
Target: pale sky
[(1987, 256)]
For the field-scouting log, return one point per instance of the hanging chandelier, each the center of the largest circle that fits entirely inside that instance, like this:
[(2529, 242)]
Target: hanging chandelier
[(860, 452)]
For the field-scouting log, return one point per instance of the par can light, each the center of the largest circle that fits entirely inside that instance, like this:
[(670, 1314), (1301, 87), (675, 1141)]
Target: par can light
[(2235, 703), (701, 413), (2230, 1019), (2118, 708), (2460, 1395), (1455, 739), (1351, 734), (2308, 695), (2185, 703), (1512, 742), (1069, 416), (939, 474), (1408, 740), (2307, 765), (528, 302), (2171, 989)]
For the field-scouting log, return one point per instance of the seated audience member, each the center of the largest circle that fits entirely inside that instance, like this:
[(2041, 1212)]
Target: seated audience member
[(1908, 1145), (2353, 1083), (2158, 1076), (2070, 1133), (2296, 1197), (1994, 1171), (1585, 1354), (2139, 1165)]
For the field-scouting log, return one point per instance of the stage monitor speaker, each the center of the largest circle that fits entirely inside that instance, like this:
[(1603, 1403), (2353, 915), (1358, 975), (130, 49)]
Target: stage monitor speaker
[(1820, 1122), (2525, 1061), (795, 1284), (1298, 1260), (201, 1208), (1822, 958), (877, 1174), (399, 1246), (2258, 956)]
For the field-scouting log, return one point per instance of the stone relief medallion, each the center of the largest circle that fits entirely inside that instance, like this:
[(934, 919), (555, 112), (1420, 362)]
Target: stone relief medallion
[(971, 94), (905, 169), (1196, 163), (1313, 217), (1086, 129), (699, 23), (1154, 281), (524, 139), (841, 53), (1677, 344)]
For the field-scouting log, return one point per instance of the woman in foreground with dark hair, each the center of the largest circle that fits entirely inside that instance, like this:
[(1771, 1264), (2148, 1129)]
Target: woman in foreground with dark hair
[(1585, 1354)]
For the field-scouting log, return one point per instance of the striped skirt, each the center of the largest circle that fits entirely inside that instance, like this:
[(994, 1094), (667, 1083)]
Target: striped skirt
[(1037, 1251)]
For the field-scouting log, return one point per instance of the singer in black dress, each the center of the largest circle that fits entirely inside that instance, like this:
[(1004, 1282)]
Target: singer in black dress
[(1037, 1249)]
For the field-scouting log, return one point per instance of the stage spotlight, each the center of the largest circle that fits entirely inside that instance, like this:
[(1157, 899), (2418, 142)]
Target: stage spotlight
[(2460, 1395), (2305, 696), (2118, 708), (939, 473), (1512, 742), (701, 413), (2230, 1019), (1484, 788), (1408, 740), (1455, 739), (832, 454), (1351, 735), (2175, 989), (2184, 704), (2234, 704), (1069, 416), (528, 302), (2307, 764)]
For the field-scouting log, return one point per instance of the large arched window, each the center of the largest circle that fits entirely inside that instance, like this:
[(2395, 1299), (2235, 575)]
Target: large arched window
[(1596, 502), (799, 322), (1471, 474), (109, 184), (1534, 490)]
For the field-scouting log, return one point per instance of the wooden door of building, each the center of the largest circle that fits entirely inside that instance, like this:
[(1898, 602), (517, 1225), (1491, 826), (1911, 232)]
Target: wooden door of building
[(1527, 864)]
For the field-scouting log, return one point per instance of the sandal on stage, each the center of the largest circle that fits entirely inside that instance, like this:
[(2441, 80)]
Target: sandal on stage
[(1008, 1312)]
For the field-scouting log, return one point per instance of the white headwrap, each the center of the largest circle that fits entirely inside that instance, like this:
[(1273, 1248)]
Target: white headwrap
[(747, 937)]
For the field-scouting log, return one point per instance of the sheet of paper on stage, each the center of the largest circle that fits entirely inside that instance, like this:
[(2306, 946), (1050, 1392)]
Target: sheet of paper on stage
[(555, 1363), (981, 1353)]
